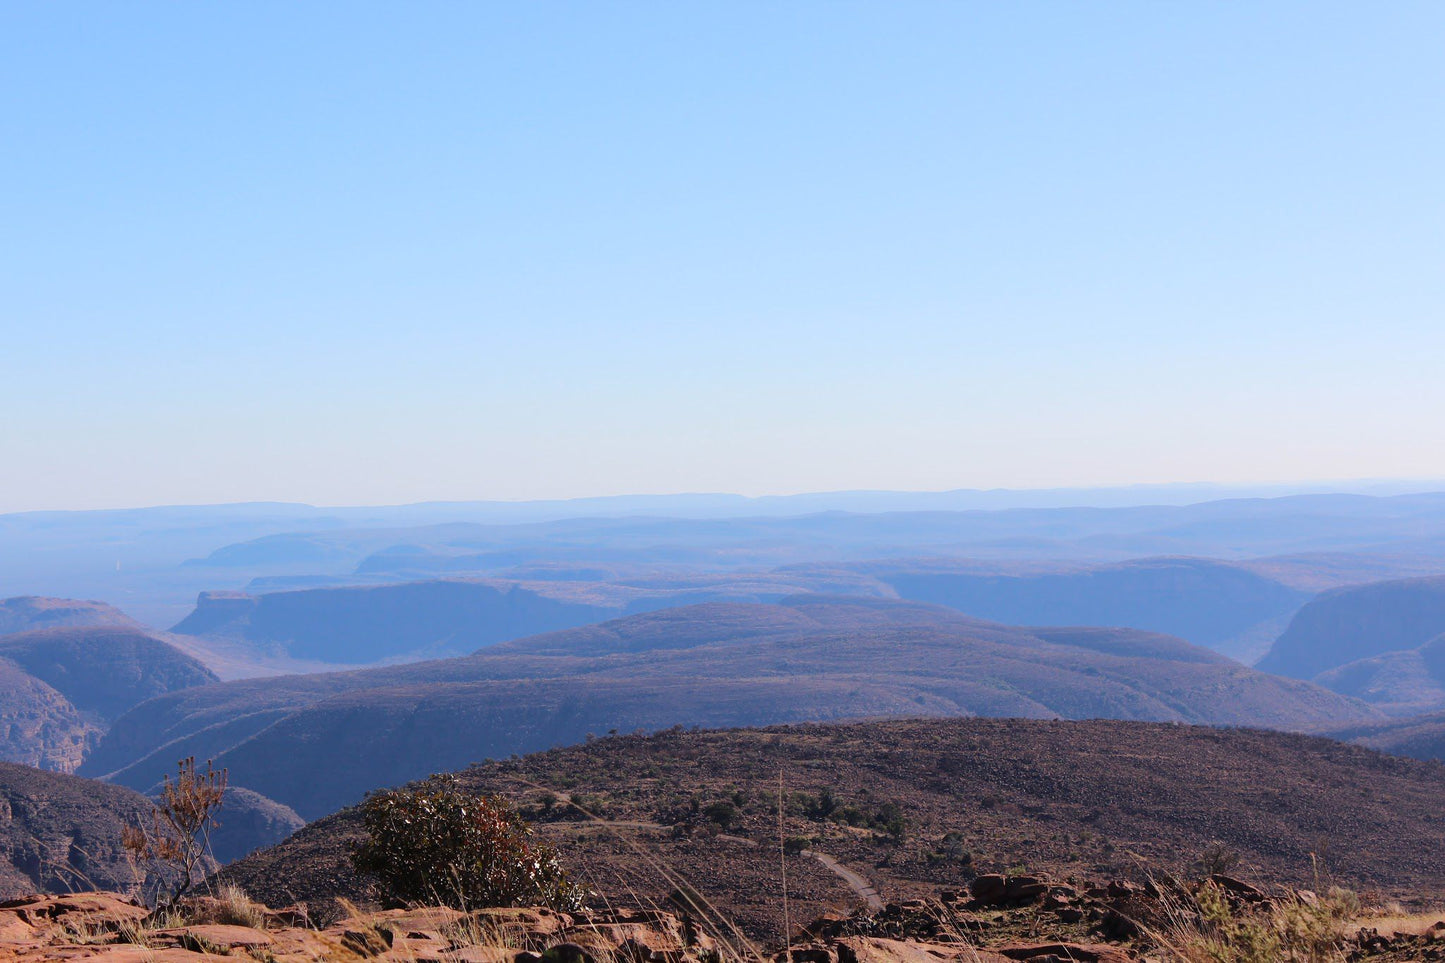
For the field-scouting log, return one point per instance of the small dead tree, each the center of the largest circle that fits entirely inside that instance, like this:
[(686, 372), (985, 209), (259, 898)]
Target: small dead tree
[(176, 846)]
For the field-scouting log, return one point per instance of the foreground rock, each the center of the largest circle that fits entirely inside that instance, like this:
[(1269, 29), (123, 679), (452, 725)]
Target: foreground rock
[(1013, 919)]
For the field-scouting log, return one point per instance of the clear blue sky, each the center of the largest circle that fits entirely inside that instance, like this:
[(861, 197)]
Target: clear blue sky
[(363, 253)]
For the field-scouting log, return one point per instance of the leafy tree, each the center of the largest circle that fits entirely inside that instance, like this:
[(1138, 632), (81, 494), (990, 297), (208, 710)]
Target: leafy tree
[(438, 843)]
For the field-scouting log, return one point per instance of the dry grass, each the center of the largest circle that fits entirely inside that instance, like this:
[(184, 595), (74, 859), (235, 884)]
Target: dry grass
[(1208, 927), (237, 909)]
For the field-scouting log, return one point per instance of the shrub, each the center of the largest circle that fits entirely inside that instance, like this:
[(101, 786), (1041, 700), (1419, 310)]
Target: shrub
[(794, 845), (176, 847), (889, 818), (1216, 859), (724, 814), (437, 843)]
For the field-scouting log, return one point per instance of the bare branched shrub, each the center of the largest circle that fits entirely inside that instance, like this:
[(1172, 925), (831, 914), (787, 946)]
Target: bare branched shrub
[(438, 843), (1217, 859), (175, 847)]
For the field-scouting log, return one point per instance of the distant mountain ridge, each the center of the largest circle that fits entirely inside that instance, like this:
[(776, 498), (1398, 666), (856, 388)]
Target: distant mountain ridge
[(1400, 683), (1215, 604), (1420, 737), (1220, 605), (1382, 642), (140, 557)]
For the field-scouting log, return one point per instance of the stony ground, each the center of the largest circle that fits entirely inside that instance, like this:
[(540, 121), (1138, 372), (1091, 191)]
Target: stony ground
[(997, 919)]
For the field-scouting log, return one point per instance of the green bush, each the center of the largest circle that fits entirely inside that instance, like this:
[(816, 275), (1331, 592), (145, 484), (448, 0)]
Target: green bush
[(438, 843), (724, 814)]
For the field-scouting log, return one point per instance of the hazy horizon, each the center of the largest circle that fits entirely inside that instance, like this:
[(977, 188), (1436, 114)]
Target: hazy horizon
[(373, 255), (1170, 493)]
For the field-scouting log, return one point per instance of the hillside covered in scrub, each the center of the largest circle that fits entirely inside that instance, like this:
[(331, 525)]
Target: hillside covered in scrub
[(904, 807)]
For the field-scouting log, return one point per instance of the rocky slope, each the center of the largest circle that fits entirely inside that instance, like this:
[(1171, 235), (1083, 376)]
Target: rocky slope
[(39, 726), (60, 833), (318, 742), (908, 806)]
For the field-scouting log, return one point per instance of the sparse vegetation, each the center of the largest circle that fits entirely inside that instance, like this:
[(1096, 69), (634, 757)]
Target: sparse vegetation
[(1072, 801), (436, 842), (1211, 927), (234, 907)]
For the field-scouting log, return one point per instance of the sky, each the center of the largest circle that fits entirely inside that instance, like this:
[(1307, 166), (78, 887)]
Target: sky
[(356, 253)]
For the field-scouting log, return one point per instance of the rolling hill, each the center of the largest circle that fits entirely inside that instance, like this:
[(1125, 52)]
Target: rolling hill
[(104, 670), (913, 805), (1400, 683), (317, 742)]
